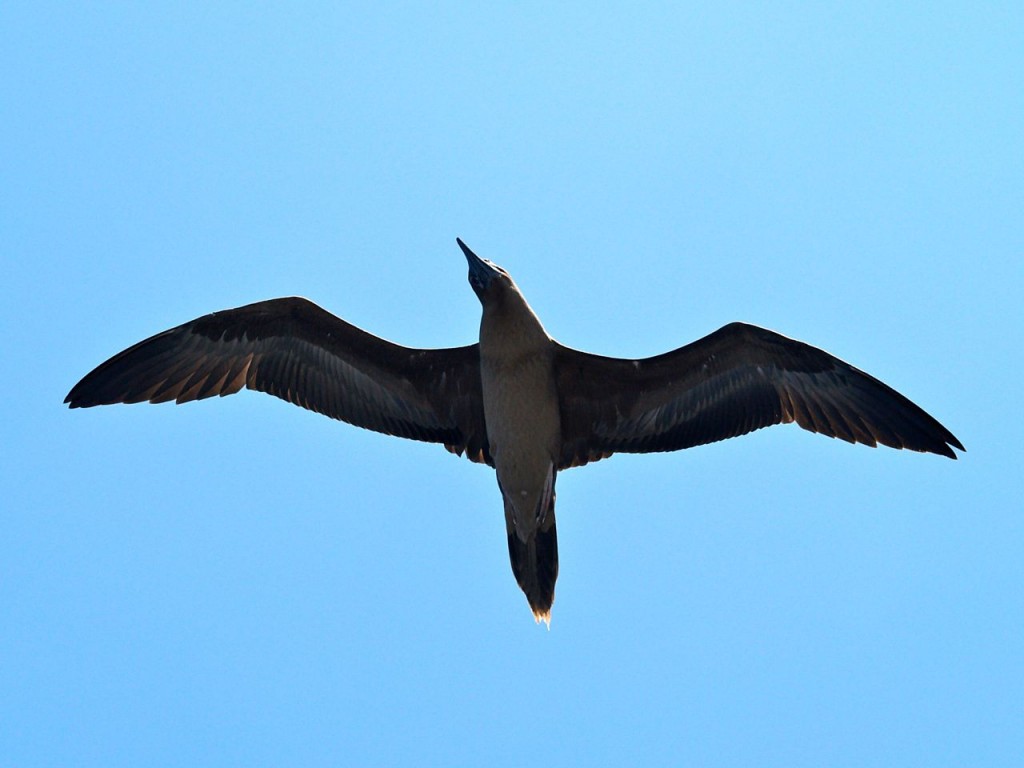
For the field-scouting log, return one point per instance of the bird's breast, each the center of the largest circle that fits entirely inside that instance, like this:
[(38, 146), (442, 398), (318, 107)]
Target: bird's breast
[(521, 409)]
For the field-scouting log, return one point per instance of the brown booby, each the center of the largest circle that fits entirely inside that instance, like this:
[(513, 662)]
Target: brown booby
[(518, 400)]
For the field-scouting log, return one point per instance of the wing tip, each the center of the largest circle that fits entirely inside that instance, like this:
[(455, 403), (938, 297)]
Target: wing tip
[(944, 445), (941, 447), (950, 445), (74, 399)]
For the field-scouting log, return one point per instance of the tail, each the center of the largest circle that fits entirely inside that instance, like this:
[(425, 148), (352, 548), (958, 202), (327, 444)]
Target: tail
[(535, 564)]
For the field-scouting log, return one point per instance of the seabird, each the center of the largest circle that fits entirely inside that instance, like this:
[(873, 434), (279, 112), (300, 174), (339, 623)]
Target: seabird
[(518, 400)]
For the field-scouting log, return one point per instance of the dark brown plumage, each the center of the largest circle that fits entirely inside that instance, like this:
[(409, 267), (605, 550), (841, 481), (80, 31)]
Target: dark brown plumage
[(518, 400)]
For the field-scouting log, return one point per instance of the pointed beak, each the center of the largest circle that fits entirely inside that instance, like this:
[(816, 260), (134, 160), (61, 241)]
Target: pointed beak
[(480, 272)]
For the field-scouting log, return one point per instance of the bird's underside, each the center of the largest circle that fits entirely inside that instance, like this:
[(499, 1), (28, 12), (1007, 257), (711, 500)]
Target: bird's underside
[(738, 379)]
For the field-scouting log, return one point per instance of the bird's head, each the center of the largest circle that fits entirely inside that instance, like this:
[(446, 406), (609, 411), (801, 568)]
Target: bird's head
[(487, 279)]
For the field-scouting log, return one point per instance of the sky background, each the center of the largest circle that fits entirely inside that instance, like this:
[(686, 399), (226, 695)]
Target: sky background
[(240, 582)]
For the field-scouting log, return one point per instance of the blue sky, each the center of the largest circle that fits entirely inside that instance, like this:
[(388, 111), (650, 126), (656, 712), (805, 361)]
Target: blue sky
[(241, 582)]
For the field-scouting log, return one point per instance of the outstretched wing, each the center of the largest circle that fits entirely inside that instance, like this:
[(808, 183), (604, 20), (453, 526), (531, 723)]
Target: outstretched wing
[(295, 350), (733, 381)]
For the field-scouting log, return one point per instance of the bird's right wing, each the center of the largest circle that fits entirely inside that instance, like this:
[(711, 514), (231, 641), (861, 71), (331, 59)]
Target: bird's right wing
[(295, 350), (733, 381)]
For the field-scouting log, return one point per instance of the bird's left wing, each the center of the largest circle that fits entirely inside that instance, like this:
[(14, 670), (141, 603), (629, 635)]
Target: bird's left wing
[(295, 350), (733, 381)]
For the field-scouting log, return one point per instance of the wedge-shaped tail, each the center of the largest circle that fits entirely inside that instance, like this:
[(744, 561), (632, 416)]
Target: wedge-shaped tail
[(535, 564)]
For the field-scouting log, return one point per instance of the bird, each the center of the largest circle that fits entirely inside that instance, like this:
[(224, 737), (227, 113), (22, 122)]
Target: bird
[(517, 400)]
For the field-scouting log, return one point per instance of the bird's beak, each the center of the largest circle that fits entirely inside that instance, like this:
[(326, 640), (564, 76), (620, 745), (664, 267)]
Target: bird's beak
[(480, 271)]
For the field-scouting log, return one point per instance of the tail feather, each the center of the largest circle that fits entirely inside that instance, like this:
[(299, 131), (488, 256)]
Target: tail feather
[(535, 565), (535, 561)]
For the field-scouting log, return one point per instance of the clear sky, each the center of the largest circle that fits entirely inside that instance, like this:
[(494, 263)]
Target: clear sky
[(240, 582)]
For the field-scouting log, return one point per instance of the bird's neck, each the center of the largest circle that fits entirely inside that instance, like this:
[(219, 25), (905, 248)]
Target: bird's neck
[(510, 329)]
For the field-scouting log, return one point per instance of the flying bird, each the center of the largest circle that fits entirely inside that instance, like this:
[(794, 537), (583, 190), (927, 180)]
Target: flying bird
[(517, 400)]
